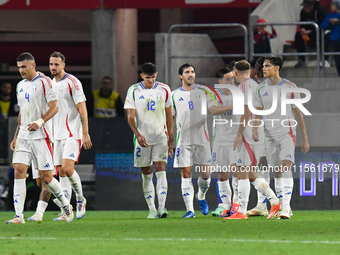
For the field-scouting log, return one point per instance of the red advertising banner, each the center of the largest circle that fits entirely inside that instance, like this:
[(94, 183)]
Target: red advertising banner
[(115, 4)]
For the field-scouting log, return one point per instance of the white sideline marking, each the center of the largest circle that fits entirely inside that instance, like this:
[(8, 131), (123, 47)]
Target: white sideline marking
[(173, 239)]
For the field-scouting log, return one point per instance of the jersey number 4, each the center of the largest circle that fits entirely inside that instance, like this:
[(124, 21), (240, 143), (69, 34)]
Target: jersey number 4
[(27, 96)]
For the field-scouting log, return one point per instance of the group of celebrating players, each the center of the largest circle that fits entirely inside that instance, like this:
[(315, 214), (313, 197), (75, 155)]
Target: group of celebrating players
[(236, 143)]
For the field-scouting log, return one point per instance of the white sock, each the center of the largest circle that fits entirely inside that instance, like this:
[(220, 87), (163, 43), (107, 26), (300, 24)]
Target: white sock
[(262, 186), (76, 186), (66, 187), (55, 188), (279, 189), (225, 193), (262, 199), (203, 186), (149, 191), (19, 196), (243, 194), (41, 207), (57, 202), (162, 188), (188, 193), (288, 183), (234, 183)]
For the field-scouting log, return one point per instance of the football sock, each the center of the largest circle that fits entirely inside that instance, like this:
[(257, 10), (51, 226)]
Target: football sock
[(41, 207), (225, 193), (288, 184), (279, 188), (243, 193), (234, 183), (149, 191), (76, 186), (19, 196), (66, 187), (188, 193), (203, 186), (55, 187), (57, 202), (262, 186), (261, 198), (162, 188)]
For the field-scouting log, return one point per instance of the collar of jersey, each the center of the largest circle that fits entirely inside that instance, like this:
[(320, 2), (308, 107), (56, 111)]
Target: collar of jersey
[(181, 89), (64, 77), (280, 84), (154, 87), (36, 77)]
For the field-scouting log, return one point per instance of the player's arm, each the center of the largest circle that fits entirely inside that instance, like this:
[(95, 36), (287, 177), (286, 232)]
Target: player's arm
[(215, 110), (131, 113), (47, 116), (244, 119), (14, 141), (170, 127), (302, 126), (256, 125), (85, 124)]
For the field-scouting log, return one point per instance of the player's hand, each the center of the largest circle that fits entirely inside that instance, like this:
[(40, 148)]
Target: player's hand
[(13, 143), (142, 141), (305, 146), (333, 21), (237, 141), (33, 126), (303, 31), (170, 149), (87, 141), (255, 135)]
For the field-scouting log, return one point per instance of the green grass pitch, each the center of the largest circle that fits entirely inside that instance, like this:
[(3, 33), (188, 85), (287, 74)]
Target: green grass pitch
[(129, 232)]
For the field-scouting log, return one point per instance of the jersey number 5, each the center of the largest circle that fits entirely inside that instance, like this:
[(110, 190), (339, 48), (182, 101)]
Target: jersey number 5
[(151, 105)]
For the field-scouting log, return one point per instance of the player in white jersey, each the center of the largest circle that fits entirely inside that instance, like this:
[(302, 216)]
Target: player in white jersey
[(38, 104), (280, 134), (70, 132), (224, 134), (248, 151), (192, 143), (148, 105)]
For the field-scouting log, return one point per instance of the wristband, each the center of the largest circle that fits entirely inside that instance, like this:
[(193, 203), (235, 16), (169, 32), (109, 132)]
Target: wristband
[(39, 122)]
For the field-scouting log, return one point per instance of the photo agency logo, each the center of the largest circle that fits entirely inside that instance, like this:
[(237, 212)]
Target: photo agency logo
[(239, 102)]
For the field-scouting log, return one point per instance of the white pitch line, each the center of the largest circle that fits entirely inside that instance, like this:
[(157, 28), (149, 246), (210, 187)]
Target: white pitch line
[(173, 239)]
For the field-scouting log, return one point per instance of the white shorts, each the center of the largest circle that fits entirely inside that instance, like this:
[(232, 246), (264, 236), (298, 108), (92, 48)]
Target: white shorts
[(195, 154), (145, 156), (36, 174), (279, 149), (262, 149), (248, 154), (223, 156), (68, 148), (38, 151)]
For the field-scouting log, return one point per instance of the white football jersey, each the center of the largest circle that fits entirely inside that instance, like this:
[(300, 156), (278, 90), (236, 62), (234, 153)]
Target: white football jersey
[(264, 99), (226, 124), (67, 121), (190, 122), (150, 107), (250, 84), (33, 98)]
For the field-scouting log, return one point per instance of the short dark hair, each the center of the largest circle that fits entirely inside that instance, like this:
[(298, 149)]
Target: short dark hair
[(242, 65), (259, 66), (222, 71), (25, 56), (57, 54), (183, 67), (275, 60), (149, 68), (106, 77)]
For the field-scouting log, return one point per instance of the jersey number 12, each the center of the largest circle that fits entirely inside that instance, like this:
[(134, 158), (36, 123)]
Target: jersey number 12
[(151, 105)]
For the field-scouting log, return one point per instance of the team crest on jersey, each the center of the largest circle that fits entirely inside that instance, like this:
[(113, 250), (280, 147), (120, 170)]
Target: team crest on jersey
[(198, 95), (159, 96), (61, 88), (34, 88)]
